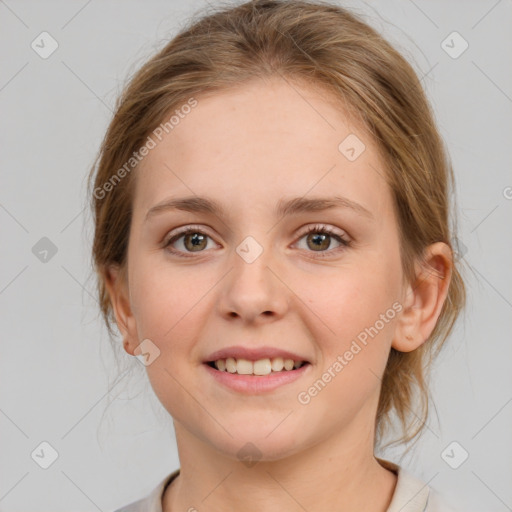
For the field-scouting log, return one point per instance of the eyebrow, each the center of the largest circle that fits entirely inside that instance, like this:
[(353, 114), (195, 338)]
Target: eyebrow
[(197, 204)]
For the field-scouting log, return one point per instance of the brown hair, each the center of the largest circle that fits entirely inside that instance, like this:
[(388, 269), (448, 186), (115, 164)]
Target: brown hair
[(327, 46)]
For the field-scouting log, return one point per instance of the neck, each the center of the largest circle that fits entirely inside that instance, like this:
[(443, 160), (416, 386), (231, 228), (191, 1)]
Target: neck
[(331, 475)]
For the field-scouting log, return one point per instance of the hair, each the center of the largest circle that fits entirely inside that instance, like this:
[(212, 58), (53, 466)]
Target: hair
[(331, 48)]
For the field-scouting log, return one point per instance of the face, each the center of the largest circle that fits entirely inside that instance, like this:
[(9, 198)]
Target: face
[(250, 275)]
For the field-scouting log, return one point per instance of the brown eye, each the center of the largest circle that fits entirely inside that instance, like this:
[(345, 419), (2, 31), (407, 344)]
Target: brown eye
[(194, 241), (188, 241), (318, 241)]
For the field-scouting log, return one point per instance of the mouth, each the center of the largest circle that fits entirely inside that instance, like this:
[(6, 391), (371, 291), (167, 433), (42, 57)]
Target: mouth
[(255, 377), (258, 368)]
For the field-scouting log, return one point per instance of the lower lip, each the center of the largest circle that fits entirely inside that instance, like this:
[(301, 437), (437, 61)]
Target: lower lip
[(253, 384)]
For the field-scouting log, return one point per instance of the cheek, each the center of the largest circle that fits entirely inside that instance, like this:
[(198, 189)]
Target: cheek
[(360, 311), (354, 296), (166, 298), (357, 307)]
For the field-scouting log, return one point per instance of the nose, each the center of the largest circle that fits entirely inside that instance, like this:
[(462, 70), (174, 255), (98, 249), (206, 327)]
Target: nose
[(253, 291)]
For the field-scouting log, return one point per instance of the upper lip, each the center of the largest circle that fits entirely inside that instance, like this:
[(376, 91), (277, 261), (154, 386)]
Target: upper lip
[(253, 354)]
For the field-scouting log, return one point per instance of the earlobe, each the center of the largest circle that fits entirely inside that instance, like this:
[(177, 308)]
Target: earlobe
[(424, 299), (117, 287), (127, 347)]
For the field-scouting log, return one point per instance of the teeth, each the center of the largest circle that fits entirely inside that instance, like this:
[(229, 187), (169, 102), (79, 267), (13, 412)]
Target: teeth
[(262, 367), (230, 365), (288, 364), (277, 364), (259, 367), (244, 367)]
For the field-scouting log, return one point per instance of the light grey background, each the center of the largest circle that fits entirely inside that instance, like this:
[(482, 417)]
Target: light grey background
[(114, 440)]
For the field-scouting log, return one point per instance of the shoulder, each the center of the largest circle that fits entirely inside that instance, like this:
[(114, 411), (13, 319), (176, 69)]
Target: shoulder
[(436, 503), (412, 494), (153, 501)]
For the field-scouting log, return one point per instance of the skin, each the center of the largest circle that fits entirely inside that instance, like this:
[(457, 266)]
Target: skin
[(248, 148)]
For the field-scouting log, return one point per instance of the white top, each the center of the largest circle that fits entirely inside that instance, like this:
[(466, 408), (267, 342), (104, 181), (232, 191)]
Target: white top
[(411, 494)]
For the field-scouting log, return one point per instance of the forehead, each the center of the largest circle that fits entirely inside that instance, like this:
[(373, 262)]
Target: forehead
[(261, 141)]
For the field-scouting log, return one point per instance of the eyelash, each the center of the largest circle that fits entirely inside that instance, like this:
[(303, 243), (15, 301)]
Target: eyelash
[(318, 228)]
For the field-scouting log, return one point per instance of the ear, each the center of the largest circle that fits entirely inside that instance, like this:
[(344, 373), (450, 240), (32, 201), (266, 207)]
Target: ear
[(424, 298), (116, 282)]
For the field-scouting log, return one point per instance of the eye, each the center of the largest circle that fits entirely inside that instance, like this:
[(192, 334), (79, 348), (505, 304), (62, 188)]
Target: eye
[(194, 240), (319, 238)]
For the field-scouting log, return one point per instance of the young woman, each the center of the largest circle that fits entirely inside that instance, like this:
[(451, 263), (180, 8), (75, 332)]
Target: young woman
[(272, 238)]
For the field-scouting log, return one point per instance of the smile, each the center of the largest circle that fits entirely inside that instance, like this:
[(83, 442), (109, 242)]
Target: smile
[(240, 374), (264, 366)]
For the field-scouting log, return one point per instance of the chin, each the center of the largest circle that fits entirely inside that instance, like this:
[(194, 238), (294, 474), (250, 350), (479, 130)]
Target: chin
[(255, 445)]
